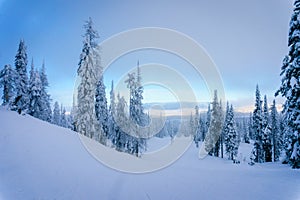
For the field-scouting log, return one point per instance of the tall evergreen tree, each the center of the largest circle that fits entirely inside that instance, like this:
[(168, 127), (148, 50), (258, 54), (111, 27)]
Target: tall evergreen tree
[(56, 114), (266, 137), (45, 97), (21, 100), (111, 116), (267, 144), (275, 132), (265, 113), (257, 128), (212, 144), (232, 140), (85, 117), (7, 81), (35, 101), (101, 107), (136, 111), (290, 87), (63, 117)]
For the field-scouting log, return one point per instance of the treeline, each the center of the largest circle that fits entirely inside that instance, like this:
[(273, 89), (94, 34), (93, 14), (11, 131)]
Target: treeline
[(115, 126), (28, 94)]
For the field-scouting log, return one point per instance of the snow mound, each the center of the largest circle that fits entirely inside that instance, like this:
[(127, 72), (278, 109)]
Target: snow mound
[(42, 161)]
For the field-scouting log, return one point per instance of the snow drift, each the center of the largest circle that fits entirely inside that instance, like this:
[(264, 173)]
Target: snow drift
[(42, 161)]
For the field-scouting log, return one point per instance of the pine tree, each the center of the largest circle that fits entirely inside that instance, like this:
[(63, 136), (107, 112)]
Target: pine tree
[(56, 114), (35, 101), (7, 81), (45, 97), (265, 114), (120, 138), (63, 117), (290, 87), (267, 144), (231, 137), (212, 144), (21, 101), (275, 132), (257, 129), (136, 111), (111, 116), (85, 117), (101, 106)]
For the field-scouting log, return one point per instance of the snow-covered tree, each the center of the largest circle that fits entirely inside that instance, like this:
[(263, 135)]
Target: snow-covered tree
[(56, 114), (101, 106), (120, 138), (230, 134), (267, 144), (212, 144), (290, 87), (257, 128), (7, 81), (45, 97), (21, 101), (275, 132), (136, 110), (35, 107), (63, 117), (265, 113), (111, 115), (85, 116)]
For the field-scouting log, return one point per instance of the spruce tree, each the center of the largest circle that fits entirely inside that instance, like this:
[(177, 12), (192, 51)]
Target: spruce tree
[(232, 140), (63, 117), (21, 101), (7, 81), (257, 129), (101, 106), (111, 116), (35, 101), (56, 114), (290, 87), (45, 97), (275, 133), (85, 117), (265, 113), (212, 145)]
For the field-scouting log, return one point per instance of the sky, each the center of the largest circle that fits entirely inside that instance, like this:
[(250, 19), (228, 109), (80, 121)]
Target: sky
[(247, 40)]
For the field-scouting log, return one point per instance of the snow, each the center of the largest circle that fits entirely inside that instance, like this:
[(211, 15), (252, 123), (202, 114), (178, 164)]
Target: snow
[(42, 161)]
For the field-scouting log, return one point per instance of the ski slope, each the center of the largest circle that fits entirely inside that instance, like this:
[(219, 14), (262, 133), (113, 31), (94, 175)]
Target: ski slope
[(42, 161)]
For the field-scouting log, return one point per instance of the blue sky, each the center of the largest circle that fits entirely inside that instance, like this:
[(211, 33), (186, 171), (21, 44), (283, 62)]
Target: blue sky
[(246, 39)]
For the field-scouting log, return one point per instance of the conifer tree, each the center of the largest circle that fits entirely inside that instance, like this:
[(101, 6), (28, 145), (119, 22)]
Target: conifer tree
[(101, 106), (35, 101), (212, 144), (257, 129), (7, 81), (231, 137), (290, 88), (45, 97), (21, 101), (275, 132), (85, 116), (56, 114)]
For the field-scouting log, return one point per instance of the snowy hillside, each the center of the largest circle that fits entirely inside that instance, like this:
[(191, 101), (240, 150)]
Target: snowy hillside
[(42, 161)]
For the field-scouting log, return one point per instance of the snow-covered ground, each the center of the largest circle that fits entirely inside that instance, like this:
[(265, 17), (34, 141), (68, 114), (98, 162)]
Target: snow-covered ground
[(42, 161)]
